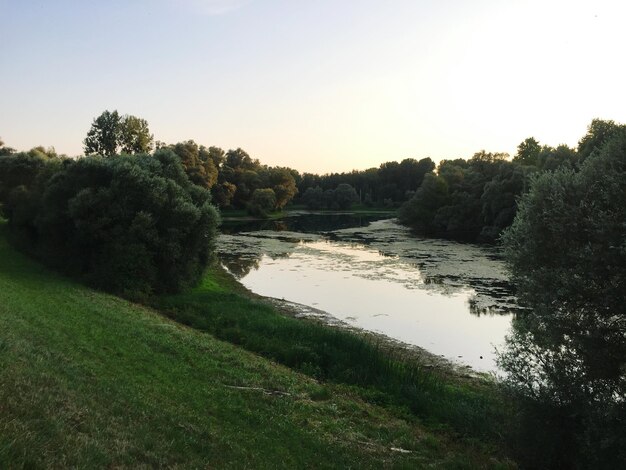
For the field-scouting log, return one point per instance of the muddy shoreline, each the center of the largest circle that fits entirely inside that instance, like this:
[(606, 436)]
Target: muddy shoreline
[(439, 364)]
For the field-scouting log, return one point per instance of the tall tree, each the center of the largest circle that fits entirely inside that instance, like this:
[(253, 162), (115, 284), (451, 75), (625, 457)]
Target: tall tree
[(111, 133), (5, 150), (598, 133), (528, 152), (104, 135), (134, 135)]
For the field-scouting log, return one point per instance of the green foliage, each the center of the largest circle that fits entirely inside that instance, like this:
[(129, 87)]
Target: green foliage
[(111, 133), (475, 199), (551, 159), (223, 193), (598, 133), (240, 176), (459, 202), (104, 135), (345, 196), (134, 135), (392, 181), (313, 198), (566, 357), (420, 211), (340, 198), (262, 202), (528, 152), (199, 162), (283, 184), (4, 151), (130, 225)]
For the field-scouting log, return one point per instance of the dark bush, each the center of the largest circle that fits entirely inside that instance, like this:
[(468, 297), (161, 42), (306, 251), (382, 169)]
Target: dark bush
[(131, 225)]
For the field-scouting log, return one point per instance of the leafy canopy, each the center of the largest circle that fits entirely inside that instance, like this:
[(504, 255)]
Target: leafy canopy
[(111, 134)]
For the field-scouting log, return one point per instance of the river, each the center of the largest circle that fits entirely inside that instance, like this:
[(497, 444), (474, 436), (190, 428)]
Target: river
[(449, 298)]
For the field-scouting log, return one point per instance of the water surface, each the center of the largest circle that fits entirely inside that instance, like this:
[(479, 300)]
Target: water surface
[(452, 299)]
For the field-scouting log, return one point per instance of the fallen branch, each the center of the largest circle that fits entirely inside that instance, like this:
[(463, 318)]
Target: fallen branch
[(259, 389)]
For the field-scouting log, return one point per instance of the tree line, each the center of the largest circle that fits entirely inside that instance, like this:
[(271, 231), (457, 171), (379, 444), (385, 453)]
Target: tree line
[(475, 199)]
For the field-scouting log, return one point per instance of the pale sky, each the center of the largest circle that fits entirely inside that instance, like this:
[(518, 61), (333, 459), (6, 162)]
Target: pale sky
[(317, 85)]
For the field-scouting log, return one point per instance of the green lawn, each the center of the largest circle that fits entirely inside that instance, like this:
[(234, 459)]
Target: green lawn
[(89, 380)]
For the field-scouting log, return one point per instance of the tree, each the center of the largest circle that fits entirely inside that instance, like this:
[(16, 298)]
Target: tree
[(4, 151), (134, 135), (104, 136), (223, 193), (566, 357), (528, 152), (419, 212), (345, 196), (283, 184), (313, 198), (551, 159), (198, 163), (262, 202), (111, 133), (239, 159), (598, 133), (216, 155)]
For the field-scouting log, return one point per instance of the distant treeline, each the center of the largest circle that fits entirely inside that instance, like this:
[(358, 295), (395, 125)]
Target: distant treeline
[(475, 199)]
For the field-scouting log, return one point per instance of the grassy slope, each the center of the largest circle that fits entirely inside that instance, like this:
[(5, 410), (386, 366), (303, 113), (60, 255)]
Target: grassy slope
[(474, 410), (87, 379)]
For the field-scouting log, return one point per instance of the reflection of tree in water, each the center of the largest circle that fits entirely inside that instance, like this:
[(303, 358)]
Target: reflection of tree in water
[(490, 297), (566, 358), (240, 266), (305, 223)]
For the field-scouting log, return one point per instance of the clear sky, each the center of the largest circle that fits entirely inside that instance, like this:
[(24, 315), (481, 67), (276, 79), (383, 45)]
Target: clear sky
[(317, 85)]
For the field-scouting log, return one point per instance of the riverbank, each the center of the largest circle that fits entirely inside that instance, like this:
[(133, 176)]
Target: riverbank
[(439, 364), (450, 298), (426, 359), (90, 380), (380, 372)]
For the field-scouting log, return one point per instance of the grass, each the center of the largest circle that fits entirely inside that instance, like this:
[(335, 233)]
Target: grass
[(89, 380), (219, 306)]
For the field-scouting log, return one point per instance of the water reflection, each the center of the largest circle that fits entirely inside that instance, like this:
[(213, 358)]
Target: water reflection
[(449, 298), (302, 222)]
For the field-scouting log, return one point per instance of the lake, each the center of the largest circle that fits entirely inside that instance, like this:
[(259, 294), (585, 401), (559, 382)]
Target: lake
[(449, 298)]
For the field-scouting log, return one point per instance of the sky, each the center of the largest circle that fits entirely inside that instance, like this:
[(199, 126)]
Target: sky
[(316, 85)]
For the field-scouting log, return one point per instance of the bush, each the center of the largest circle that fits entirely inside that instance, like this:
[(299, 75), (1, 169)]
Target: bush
[(131, 225)]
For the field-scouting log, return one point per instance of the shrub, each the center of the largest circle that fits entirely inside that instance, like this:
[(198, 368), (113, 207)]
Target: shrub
[(131, 225)]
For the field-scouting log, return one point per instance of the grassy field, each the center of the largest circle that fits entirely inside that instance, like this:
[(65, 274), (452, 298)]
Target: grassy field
[(89, 380)]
